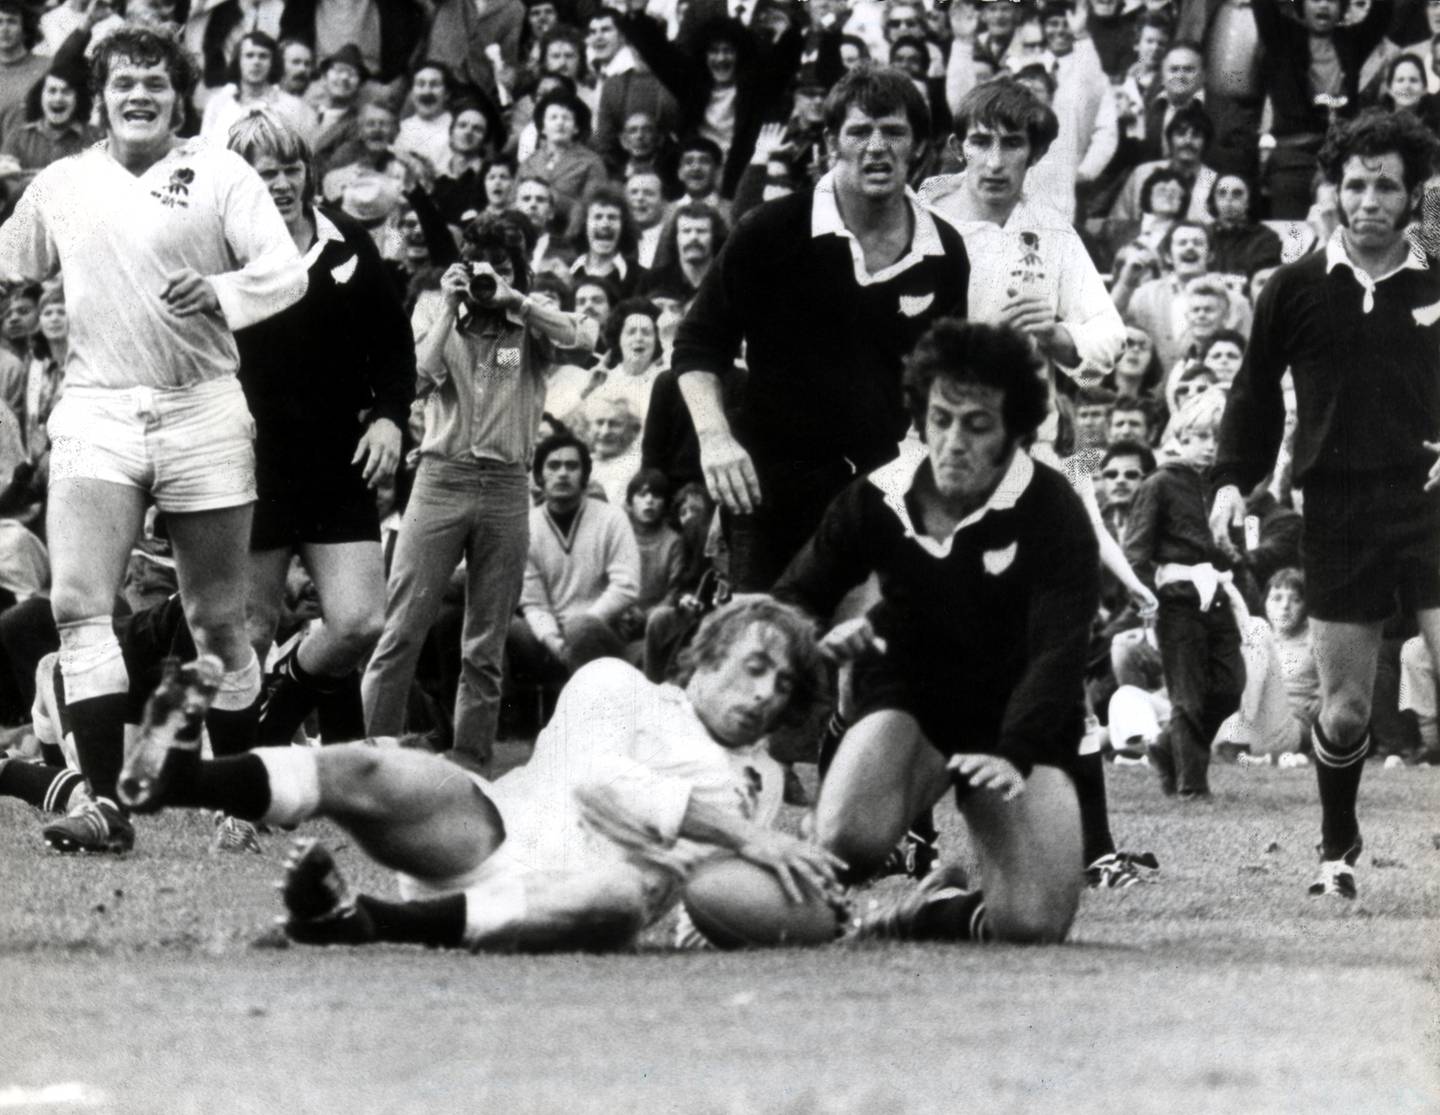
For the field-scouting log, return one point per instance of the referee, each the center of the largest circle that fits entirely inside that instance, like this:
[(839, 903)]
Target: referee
[(1359, 325)]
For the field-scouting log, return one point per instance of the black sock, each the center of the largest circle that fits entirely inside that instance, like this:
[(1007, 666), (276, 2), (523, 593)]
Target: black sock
[(232, 731), (959, 918), (438, 922), (1088, 774), (99, 726), (1337, 773), (40, 784), (293, 692), (342, 713), (51, 755), (239, 785)]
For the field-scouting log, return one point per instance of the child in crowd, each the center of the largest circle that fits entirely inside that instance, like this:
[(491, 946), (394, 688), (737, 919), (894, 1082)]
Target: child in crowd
[(647, 500), (1223, 354), (1168, 544)]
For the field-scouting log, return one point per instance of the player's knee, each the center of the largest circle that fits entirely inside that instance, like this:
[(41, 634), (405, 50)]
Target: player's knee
[(1037, 918), (1345, 716), (862, 850), (356, 632)]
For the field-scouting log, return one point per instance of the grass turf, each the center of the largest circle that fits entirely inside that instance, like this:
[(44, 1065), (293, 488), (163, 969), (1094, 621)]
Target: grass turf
[(151, 984)]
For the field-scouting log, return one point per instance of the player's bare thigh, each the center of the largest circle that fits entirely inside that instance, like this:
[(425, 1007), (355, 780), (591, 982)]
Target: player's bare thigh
[(884, 774), (1030, 856), (409, 810)]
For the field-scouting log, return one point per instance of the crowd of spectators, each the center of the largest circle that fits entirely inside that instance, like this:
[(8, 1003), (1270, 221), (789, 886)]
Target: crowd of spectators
[(625, 145)]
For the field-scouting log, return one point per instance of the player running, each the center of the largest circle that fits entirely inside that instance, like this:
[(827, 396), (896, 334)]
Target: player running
[(630, 786)]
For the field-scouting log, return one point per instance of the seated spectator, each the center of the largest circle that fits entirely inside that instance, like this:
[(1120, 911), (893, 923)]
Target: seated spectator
[(1163, 201), (612, 431), (1281, 698), (1187, 137), (252, 80), (662, 556), (606, 241), (377, 155), (633, 355), (1158, 306), (1405, 86), (1091, 418), (1129, 421), (297, 66), (426, 132), (1125, 464), (1239, 244), (582, 572), (561, 157), (460, 176), (56, 124), (1207, 305), (645, 199), (1137, 374), (696, 232), (1223, 354)]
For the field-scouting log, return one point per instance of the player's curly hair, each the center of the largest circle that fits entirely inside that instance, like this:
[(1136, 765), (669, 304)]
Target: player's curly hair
[(719, 630), (972, 352), (141, 46), (1376, 132)]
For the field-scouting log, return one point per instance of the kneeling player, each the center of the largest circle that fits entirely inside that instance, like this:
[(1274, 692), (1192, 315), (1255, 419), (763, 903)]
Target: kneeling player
[(630, 784), (970, 669)]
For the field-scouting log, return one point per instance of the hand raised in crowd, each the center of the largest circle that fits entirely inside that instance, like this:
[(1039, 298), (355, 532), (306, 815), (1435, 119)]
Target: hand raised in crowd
[(1433, 480), (800, 866), (729, 472), (1227, 513), (989, 772), (770, 140), (455, 284), (855, 638), (1079, 19), (1136, 264), (188, 292), (379, 452)]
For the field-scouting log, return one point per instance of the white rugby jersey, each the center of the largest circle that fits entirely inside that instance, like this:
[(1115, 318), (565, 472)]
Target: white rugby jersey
[(643, 742), (117, 236)]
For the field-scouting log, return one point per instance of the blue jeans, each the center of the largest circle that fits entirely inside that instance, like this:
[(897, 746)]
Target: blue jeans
[(479, 510)]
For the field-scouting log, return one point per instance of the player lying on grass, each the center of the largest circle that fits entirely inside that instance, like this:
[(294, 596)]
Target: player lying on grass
[(970, 669), (630, 785)]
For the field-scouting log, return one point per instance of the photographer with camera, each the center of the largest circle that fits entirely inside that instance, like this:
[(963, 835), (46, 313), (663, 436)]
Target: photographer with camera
[(482, 353)]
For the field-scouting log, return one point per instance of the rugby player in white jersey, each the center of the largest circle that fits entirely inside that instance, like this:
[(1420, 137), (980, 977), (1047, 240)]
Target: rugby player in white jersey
[(166, 246), (631, 785)]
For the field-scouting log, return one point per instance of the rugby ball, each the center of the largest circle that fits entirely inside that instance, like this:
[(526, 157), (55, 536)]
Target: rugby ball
[(737, 904)]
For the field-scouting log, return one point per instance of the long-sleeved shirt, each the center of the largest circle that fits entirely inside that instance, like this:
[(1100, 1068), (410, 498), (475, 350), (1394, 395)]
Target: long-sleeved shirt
[(996, 616), (1365, 355), (824, 338), (1169, 521), (591, 570), (343, 348), (119, 236)]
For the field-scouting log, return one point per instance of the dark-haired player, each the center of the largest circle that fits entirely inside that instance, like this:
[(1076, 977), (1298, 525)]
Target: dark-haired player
[(1359, 326), (167, 247), (630, 786), (970, 669)]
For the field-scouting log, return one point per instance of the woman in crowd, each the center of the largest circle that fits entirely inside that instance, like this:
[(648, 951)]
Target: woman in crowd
[(57, 114), (497, 179), (1405, 86), (45, 380), (633, 354), (1239, 244), (309, 372), (561, 158)]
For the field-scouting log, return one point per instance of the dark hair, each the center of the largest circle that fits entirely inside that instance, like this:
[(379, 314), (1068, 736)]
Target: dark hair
[(1192, 116), (668, 250), (1401, 60), (1004, 104), (612, 196), (1158, 177), (500, 232), (648, 480), (562, 32), (604, 282), (1128, 448), (915, 42), (987, 355), (561, 440), (1094, 397), (1376, 132), (551, 283), (490, 163), (1290, 578), (719, 630), (612, 14), (696, 142), (259, 38), (30, 33), (1250, 193), (856, 41), (1233, 336), (1167, 240), (876, 91), (615, 324), (447, 76), (141, 46), (1158, 20), (574, 105), (34, 106)]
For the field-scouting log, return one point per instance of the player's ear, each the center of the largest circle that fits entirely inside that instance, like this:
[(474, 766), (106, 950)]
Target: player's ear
[(956, 147)]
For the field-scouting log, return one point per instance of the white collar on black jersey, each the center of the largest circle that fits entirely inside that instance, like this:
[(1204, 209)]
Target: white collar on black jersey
[(326, 231), (895, 480), (825, 220), (1336, 256)]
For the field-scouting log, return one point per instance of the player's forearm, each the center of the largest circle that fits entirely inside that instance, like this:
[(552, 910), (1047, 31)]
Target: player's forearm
[(705, 401), (429, 353), (709, 824)]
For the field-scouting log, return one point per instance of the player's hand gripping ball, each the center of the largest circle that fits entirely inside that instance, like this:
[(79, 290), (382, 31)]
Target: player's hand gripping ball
[(737, 904)]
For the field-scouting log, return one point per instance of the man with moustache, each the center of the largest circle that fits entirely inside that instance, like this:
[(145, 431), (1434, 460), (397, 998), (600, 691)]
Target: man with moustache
[(1358, 325), (427, 132), (698, 233), (827, 289)]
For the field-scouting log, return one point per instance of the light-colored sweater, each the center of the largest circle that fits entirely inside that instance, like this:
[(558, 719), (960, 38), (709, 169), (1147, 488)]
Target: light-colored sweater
[(593, 571)]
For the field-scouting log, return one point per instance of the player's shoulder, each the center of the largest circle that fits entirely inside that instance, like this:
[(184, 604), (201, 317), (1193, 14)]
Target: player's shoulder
[(205, 153), (782, 218), (613, 676)]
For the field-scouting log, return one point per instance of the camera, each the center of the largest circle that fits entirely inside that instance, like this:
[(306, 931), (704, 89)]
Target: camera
[(482, 286)]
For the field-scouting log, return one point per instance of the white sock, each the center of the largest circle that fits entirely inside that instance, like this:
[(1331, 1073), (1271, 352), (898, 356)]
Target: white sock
[(294, 775), (492, 910), (239, 688)]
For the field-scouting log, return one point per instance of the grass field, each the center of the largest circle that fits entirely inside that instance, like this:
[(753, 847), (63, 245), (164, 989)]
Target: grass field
[(151, 984)]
